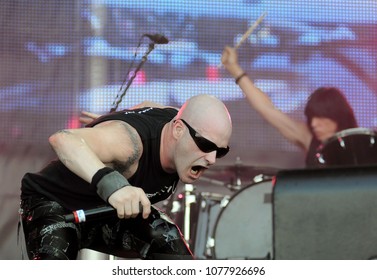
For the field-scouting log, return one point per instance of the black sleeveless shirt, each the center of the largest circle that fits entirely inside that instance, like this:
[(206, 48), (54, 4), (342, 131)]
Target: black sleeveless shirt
[(58, 183), (311, 156)]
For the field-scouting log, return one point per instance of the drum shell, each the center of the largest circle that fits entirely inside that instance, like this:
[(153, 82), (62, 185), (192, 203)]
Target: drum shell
[(350, 147), (243, 229), (195, 214), (209, 207)]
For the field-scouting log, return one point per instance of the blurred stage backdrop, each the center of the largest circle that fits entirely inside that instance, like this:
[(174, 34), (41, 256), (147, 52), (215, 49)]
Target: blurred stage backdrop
[(61, 57)]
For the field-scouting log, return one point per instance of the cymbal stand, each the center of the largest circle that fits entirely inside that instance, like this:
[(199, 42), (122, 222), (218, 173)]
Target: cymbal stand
[(189, 199), (238, 182)]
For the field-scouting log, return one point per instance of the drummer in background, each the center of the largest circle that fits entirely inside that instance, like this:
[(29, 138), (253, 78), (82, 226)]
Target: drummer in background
[(327, 111)]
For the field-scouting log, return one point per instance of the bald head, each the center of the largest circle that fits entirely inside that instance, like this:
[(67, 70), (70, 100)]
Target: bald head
[(209, 116)]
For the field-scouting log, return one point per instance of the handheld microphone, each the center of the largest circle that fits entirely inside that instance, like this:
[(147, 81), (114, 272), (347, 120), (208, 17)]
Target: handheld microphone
[(157, 38), (80, 216)]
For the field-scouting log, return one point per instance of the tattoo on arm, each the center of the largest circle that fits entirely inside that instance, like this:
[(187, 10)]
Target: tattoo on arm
[(124, 166)]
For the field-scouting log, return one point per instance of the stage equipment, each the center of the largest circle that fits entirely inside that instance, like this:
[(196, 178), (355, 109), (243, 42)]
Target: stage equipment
[(156, 39), (326, 213), (354, 146), (243, 229), (227, 226), (238, 175)]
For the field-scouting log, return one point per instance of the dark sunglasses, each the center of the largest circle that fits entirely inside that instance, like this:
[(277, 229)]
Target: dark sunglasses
[(204, 144)]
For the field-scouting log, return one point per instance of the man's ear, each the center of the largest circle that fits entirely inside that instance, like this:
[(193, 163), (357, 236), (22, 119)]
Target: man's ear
[(177, 129)]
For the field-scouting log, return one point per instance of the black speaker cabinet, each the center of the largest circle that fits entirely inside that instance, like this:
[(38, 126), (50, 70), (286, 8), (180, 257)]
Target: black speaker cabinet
[(324, 214)]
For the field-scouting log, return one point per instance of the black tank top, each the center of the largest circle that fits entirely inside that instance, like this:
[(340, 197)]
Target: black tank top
[(58, 183), (311, 158)]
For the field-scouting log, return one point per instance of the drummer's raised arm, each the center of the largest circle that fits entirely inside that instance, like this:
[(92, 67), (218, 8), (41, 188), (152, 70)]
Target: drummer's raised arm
[(295, 131)]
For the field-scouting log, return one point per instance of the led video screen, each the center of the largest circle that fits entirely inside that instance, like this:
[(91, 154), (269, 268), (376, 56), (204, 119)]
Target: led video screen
[(61, 57)]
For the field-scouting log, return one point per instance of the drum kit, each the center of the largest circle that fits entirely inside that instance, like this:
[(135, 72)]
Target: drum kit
[(239, 224), (233, 224)]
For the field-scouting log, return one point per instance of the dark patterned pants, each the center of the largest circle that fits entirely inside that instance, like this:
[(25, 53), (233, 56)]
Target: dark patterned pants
[(48, 236)]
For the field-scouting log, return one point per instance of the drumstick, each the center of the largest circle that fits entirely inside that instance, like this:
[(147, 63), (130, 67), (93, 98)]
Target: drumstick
[(248, 32)]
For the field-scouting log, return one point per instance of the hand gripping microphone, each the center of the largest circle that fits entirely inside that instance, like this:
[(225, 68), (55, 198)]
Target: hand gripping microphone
[(81, 216), (157, 38)]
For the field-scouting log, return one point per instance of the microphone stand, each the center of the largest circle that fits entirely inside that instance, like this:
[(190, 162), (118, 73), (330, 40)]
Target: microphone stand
[(143, 60)]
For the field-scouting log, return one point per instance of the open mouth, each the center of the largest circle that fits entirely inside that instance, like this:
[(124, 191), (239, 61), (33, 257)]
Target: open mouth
[(197, 170)]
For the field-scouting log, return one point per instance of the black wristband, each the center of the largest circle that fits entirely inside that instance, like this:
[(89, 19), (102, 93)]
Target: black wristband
[(100, 174), (110, 183), (240, 77)]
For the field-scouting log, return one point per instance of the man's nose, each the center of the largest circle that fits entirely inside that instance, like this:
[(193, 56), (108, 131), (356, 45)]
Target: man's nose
[(211, 158)]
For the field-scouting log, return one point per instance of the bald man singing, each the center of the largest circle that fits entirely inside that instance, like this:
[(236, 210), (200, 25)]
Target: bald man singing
[(128, 160)]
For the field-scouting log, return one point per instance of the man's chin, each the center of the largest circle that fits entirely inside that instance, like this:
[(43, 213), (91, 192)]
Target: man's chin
[(188, 179)]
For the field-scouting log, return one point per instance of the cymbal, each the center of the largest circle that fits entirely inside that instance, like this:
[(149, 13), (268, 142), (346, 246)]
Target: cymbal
[(241, 169), (237, 174)]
